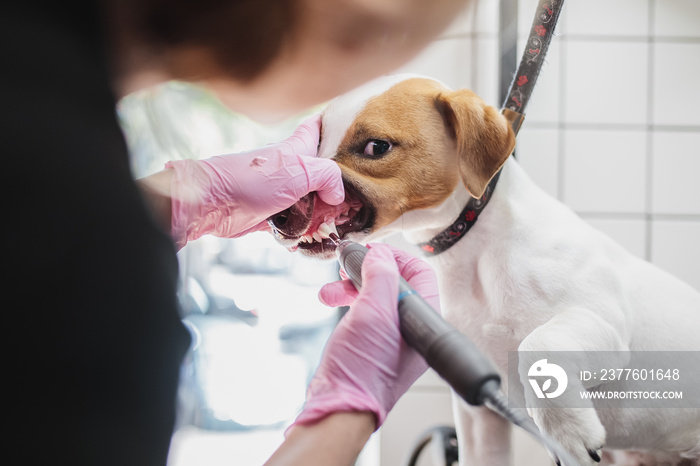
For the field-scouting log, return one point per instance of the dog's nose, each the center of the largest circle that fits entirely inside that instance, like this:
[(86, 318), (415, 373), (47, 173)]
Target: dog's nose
[(279, 220), (291, 223)]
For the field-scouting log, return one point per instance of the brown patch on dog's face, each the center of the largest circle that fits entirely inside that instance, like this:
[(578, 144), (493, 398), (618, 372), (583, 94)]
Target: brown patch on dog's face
[(418, 169)]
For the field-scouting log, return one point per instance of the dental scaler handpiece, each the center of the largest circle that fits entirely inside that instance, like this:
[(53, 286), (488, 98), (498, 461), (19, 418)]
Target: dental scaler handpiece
[(450, 353)]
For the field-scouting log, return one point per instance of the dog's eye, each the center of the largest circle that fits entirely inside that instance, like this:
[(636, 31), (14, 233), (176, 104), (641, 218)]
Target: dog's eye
[(377, 148)]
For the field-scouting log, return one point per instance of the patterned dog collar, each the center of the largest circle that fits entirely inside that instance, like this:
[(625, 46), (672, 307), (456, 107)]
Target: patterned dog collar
[(464, 222)]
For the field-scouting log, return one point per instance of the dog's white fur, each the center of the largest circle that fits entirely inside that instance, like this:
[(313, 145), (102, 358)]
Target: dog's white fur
[(532, 276)]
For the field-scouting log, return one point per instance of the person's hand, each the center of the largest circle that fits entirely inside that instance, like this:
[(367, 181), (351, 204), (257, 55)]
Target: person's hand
[(232, 195), (366, 365)]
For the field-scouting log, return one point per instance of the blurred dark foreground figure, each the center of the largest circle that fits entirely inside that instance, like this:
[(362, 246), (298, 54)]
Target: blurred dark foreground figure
[(95, 340)]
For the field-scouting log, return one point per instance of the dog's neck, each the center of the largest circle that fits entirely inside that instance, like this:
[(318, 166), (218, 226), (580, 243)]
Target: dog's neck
[(421, 226), (462, 224)]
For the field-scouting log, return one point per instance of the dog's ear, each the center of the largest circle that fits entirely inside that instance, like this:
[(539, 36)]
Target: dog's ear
[(483, 136)]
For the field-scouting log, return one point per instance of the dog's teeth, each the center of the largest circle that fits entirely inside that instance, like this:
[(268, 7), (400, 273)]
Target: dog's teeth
[(317, 236), (324, 230)]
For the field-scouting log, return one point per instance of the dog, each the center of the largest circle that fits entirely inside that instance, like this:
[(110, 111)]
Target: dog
[(528, 276)]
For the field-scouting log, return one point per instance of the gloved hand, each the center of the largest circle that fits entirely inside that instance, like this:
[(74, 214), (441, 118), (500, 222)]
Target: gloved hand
[(232, 195), (366, 365)]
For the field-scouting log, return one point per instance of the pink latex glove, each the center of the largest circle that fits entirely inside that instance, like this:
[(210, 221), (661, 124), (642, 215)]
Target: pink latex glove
[(231, 195), (366, 365)]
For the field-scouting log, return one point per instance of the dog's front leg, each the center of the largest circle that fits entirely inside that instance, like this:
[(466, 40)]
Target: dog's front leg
[(484, 437), (564, 416)]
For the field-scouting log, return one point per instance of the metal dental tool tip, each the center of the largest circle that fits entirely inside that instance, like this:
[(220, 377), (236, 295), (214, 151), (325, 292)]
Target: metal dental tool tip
[(333, 237)]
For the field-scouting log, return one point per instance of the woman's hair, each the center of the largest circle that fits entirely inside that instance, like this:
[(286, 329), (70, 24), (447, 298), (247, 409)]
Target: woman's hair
[(242, 36)]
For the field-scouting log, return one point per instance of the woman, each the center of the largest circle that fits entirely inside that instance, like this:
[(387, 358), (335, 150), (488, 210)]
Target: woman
[(94, 337)]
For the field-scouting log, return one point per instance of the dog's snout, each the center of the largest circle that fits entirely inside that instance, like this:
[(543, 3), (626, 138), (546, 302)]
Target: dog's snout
[(279, 220), (291, 223)]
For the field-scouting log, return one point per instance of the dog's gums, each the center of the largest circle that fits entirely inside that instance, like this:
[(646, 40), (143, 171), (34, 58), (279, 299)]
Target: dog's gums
[(329, 223), (306, 226)]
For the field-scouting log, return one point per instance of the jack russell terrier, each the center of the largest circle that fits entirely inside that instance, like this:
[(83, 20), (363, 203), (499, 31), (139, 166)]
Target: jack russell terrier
[(529, 276)]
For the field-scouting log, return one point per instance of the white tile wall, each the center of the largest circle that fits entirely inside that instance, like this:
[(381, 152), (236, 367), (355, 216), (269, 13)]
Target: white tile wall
[(484, 84), (676, 167), (487, 16), (675, 77), (526, 13), (629, 232), (605, 82), (472, 38), (605, 171), (479, 17), (603, 18), (682, 260), (464, 23), (537, 151), (677, 18), (445, 60), (625, 120)]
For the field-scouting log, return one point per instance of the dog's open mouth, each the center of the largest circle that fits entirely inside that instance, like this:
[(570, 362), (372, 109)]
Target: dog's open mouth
[(306, 226)]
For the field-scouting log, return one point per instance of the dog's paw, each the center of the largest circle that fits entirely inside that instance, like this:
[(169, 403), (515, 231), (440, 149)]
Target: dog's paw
[(577, 430)]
